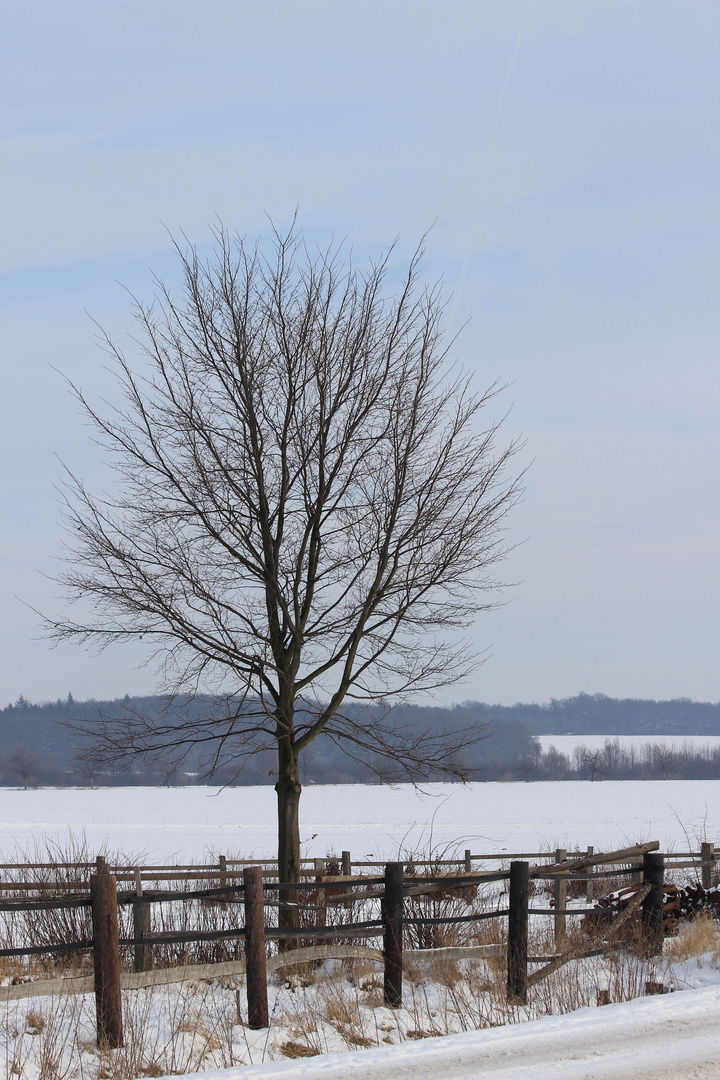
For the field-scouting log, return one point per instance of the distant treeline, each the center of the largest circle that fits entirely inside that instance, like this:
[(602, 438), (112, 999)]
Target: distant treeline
[(660, 760), (596, 714), (38, 748)]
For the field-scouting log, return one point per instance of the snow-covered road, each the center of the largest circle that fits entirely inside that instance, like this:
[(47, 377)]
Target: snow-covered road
[(675, 1037)]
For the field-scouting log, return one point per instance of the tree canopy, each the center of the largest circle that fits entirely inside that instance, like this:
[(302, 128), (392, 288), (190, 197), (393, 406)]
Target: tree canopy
[(309, 511)]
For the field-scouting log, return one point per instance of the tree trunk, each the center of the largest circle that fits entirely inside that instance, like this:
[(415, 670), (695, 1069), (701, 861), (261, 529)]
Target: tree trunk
[(288, 795)]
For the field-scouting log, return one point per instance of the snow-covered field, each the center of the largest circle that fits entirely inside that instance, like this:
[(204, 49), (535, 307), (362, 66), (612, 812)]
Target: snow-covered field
[(179, 824), (195, 1025), (567, 743)]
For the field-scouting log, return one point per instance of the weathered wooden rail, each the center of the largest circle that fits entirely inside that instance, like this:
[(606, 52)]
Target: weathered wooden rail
[(232, 869), (248, 887)]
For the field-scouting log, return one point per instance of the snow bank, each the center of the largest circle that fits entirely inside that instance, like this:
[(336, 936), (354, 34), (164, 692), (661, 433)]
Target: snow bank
[(674, 1036)]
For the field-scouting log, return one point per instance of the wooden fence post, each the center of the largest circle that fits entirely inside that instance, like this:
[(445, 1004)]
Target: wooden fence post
[(707, 855), (470, 891), (141, 926), (517, 947), (106, 957), (589, 885), (322, 895), (560, 893), (652, 905), (347, 872), (392, 917), (256, 976), (222, 863)]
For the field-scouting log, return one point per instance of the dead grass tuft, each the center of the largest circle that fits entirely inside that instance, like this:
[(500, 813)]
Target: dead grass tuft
[(298, 1050), (700, 935), (34, 1022)]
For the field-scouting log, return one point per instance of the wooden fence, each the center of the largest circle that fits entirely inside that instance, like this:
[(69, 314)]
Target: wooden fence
[(99, 892)]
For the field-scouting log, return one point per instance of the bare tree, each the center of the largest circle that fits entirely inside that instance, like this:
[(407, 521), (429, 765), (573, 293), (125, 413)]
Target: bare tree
[(589, 760), (663, 758), (24, 763), (308, 512)]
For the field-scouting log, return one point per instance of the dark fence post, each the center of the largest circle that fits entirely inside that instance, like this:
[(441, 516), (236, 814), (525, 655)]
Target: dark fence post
[(589, 884), (141, 927), (560, 894), (471, 891), (707, 856), (347, 872), (106, 956), (392, 913), (256, 972), (652, 905), (222, 863), (517, 948), (322, 896)]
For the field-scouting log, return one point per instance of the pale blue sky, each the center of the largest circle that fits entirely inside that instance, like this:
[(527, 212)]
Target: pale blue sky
[(568, 155)]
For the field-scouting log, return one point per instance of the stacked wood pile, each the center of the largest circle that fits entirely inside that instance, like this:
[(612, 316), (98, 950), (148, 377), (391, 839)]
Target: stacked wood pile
[(679, 904), (688, 903)]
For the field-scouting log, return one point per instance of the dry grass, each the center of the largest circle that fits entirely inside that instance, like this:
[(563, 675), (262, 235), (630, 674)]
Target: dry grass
[(298, 1050), (695, 938), (198, 1025)]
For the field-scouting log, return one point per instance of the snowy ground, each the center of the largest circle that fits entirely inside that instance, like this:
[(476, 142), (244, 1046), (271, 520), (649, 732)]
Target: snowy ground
[(371, 822), (567, 743), (190, 1026), (321, 1016), (675, 1036)]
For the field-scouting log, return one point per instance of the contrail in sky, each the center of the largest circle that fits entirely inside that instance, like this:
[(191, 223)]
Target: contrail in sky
[(487, 162)]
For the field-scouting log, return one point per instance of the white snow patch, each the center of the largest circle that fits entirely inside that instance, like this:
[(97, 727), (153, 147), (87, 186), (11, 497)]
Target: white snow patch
[(182, 824), (675, 1036), (566, 743)]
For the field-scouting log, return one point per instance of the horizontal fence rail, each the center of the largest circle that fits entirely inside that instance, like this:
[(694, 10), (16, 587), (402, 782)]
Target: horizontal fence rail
[(224, 867)]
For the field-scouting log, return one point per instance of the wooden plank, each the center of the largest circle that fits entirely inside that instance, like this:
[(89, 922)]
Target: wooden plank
[(470, 952), (622, 855), (432, 885), (207, 870), (48, 987), (131, 980), (140, 980), (324, 952), (326, 933), (582, 950)]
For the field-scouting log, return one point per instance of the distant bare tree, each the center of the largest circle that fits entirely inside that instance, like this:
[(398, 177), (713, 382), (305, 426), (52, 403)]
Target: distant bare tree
[(23, 762), (308, 511), (86, 767), (663, 758), (589, 760)]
